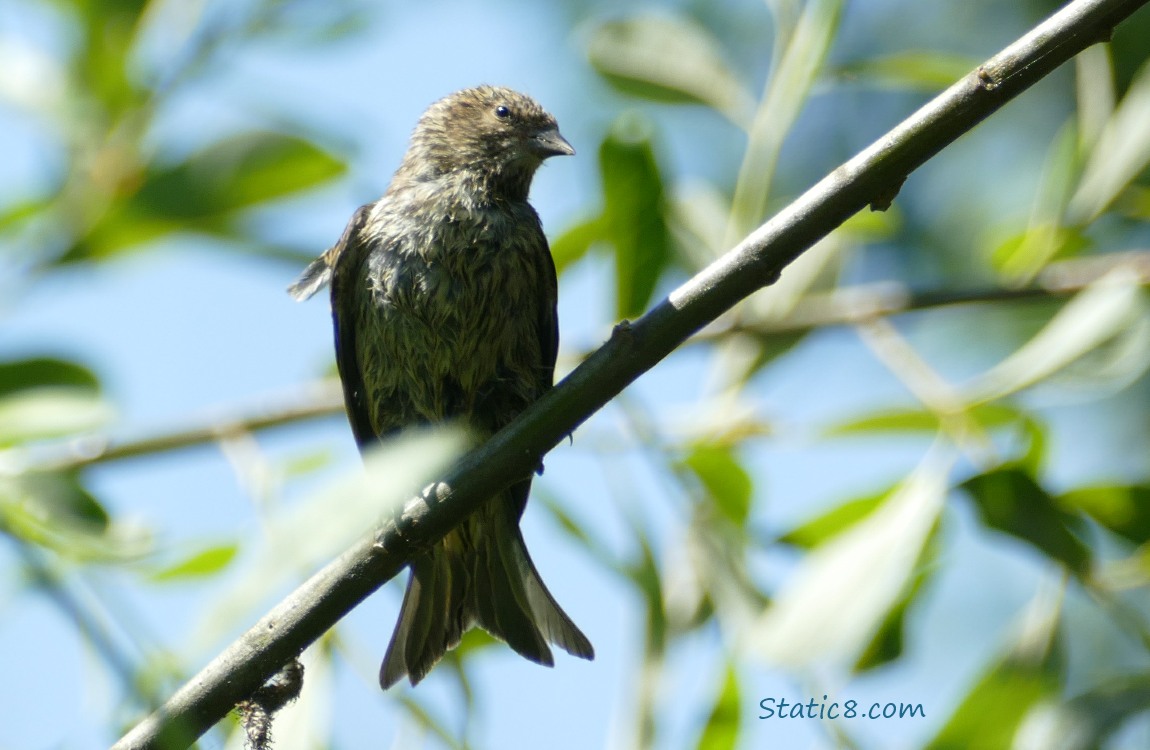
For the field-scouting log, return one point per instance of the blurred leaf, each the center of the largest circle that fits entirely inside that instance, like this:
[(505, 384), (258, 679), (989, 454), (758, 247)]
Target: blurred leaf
[(992, 711), (201, 193), (644, 573), (263, 166), (474, 640), (912, 70), (698, 216), (42, 413), (724, 478), (42, 372), (1046, 237), (863, 570), (1034, 433), (60, 500), (1094, 85), (573, 244), (206, 562), (1088, 720), (1136, 203), (17, 213), (307, 463), (1025, 254), (919, 421), (822, 527), (774, 346), (56, 511), (803, 52), (326, 523), (1011, 501), (1121, 153), (669, 59), (633, 218), (47, 398), (109, 28), (575, 530), (1125, 510), (721, 731), (872, 226), (887, 644), (1103, 310), (422, 716)]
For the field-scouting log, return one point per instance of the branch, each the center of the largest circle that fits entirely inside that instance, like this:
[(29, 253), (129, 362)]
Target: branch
[(319, 399), (856, 304), (872, 177)]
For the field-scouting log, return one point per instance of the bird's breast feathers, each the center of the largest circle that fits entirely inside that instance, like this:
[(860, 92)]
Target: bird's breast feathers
[(454, 309)]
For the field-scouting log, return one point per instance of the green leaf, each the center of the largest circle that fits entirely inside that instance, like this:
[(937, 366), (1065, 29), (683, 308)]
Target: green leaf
[(892, 420), (1135, 205), (792, 78), (61, 500), (1125, 510), (773, 346), (47, 398), (203, 192), (57, 512), (634, 218), (722, 729), (644, 573), (1022, 256), (573, 244), (1034, 432), (1047, 237), (724, 478), (109, 36), (1103, 311), (1120, 154), (864, 570), (872, 226), (235, 173), (1011, 501), (42, 413), (831, 523), (669, 59), (307, 463), (1091, 718), (912, 70), (887, 644), (204, 563), (915, 421), (266, 166), (44, 371), (994, 708)]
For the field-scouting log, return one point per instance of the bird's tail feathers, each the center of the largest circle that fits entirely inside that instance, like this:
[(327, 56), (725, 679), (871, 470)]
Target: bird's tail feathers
[(491, 582)]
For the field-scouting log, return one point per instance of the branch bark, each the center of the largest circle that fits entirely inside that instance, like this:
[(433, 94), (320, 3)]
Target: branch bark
[(873, 177)]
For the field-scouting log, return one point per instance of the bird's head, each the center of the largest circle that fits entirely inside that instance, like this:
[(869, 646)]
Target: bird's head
[(493, 137)]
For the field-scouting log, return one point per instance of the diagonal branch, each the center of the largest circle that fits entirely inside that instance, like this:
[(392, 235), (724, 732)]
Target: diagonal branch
[(873, 177)]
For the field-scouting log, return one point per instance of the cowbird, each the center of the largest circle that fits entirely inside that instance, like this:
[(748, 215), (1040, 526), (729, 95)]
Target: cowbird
[(443, 297)]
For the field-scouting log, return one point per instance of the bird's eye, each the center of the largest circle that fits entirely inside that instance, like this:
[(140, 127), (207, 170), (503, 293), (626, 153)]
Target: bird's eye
[(502, 112)]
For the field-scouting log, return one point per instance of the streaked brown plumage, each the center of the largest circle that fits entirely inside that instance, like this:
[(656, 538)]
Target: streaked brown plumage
[(443, 297)]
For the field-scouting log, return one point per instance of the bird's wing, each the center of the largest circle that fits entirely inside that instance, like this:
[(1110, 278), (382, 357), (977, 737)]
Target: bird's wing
[(548, 316), (350, 254)]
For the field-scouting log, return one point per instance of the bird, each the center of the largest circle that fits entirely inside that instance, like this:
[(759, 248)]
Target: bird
[(443, 296)]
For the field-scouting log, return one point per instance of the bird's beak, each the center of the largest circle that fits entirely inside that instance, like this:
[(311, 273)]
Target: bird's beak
[(550, 143)]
